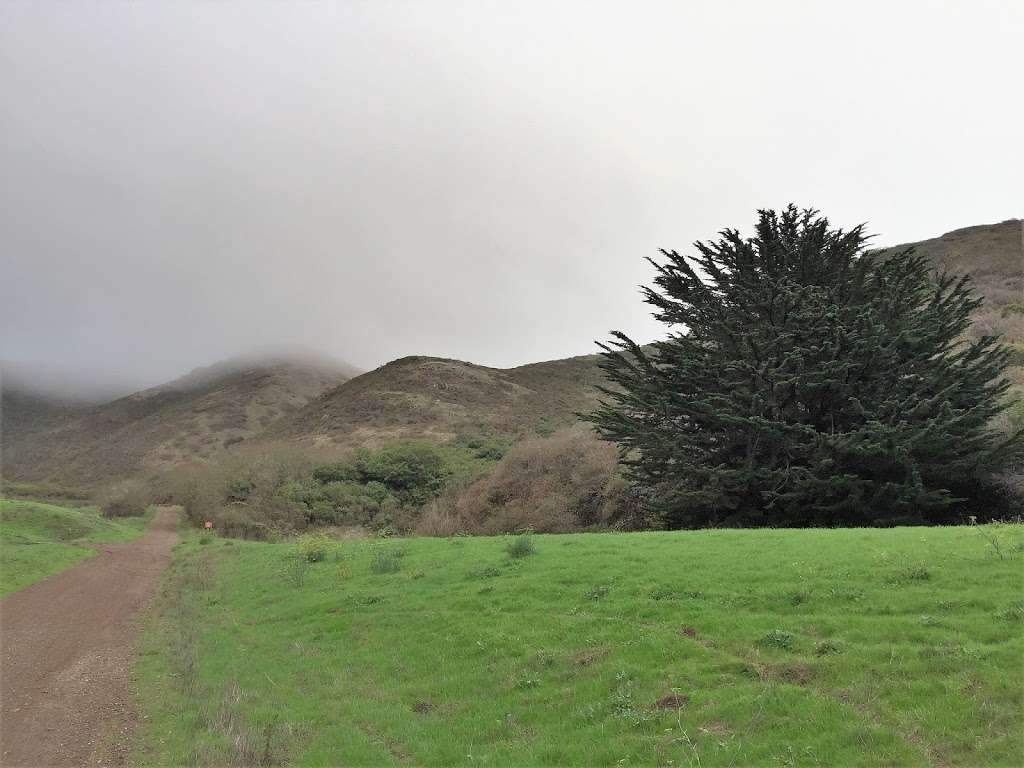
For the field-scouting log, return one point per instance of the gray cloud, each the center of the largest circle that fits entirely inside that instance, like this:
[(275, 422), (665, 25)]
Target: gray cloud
[(185, 181)]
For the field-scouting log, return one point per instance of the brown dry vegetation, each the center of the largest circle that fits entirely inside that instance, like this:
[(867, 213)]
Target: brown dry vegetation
[(567, 482), (194, 417), (440, 399)]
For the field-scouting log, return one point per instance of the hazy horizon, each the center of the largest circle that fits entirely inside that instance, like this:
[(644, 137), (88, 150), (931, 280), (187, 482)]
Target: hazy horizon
[(187, 182)]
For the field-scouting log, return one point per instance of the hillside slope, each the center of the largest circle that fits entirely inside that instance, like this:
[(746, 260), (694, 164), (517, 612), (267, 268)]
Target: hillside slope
[(195, 416), (441, 398), (993, 255)]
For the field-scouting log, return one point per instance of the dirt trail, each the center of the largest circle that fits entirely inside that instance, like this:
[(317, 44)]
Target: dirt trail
[(66, 647)]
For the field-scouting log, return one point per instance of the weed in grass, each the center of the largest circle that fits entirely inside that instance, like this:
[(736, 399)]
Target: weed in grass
[(313, 547), (520, 546), (827, 648), (623, 704), (597, 593), (846, 594), (489, 572), (1001, 539), (1014, 612), (294, 571), (777, 638), (930, 621), (908, 574), (663, 593), (385, 561), (798, 596), (543, 659), (366, 600), (205, 540), (957, 651)]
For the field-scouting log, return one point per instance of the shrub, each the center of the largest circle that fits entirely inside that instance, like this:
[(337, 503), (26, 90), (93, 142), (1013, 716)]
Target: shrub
[(827, 648), (128, 498), (340, 472), (237, 523), (413, 470), (520, 546), (568, 482)]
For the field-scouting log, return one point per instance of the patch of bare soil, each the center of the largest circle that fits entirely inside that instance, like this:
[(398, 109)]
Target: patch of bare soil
[(66, 647), (672, 701)]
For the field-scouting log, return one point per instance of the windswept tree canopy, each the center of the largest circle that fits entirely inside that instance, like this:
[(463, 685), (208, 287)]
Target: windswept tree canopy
[(806, 381)]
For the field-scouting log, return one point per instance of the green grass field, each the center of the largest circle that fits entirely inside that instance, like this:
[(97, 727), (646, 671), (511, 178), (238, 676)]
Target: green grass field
[(38, 540), (812, 647)]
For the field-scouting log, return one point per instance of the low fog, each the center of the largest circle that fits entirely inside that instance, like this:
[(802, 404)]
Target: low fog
[(184, 182)]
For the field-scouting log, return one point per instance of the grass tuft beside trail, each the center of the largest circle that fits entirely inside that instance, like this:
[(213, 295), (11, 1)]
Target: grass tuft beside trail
[(810, 647), (38, 540)]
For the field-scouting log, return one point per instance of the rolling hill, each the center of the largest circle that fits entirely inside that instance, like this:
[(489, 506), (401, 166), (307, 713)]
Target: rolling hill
[(993, 255), (439, 398), (195, 416), (257, 401)]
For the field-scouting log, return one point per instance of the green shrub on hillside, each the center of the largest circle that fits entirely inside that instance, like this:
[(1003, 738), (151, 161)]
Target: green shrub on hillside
[(414, 471), (313, 547)]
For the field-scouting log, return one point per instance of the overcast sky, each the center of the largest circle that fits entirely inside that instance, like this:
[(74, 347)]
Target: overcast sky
[(181, 182)]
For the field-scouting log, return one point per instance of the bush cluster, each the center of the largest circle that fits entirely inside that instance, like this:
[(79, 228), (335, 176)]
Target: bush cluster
[(568, 482), (128, 498), (287, 490)]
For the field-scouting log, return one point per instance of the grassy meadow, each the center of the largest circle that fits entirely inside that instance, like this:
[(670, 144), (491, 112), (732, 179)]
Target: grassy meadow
[(761, 647), (38, 540)]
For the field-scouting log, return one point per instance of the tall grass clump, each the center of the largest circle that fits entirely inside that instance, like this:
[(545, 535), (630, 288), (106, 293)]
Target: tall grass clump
[(520, 546)]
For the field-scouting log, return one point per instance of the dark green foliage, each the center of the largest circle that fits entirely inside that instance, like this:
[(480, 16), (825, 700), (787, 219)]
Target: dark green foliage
[(336, 473), (809, 382), (415, 471), (384, 488), (520, 546)]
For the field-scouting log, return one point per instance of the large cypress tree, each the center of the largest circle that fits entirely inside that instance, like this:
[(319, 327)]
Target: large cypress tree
[(808, 381)]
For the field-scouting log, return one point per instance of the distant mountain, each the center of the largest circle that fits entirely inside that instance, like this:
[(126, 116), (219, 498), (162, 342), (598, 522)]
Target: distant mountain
[(195, 416), (66, 383)]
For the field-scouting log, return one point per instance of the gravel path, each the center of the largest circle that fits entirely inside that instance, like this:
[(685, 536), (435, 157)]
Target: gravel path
[(66, 646)]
